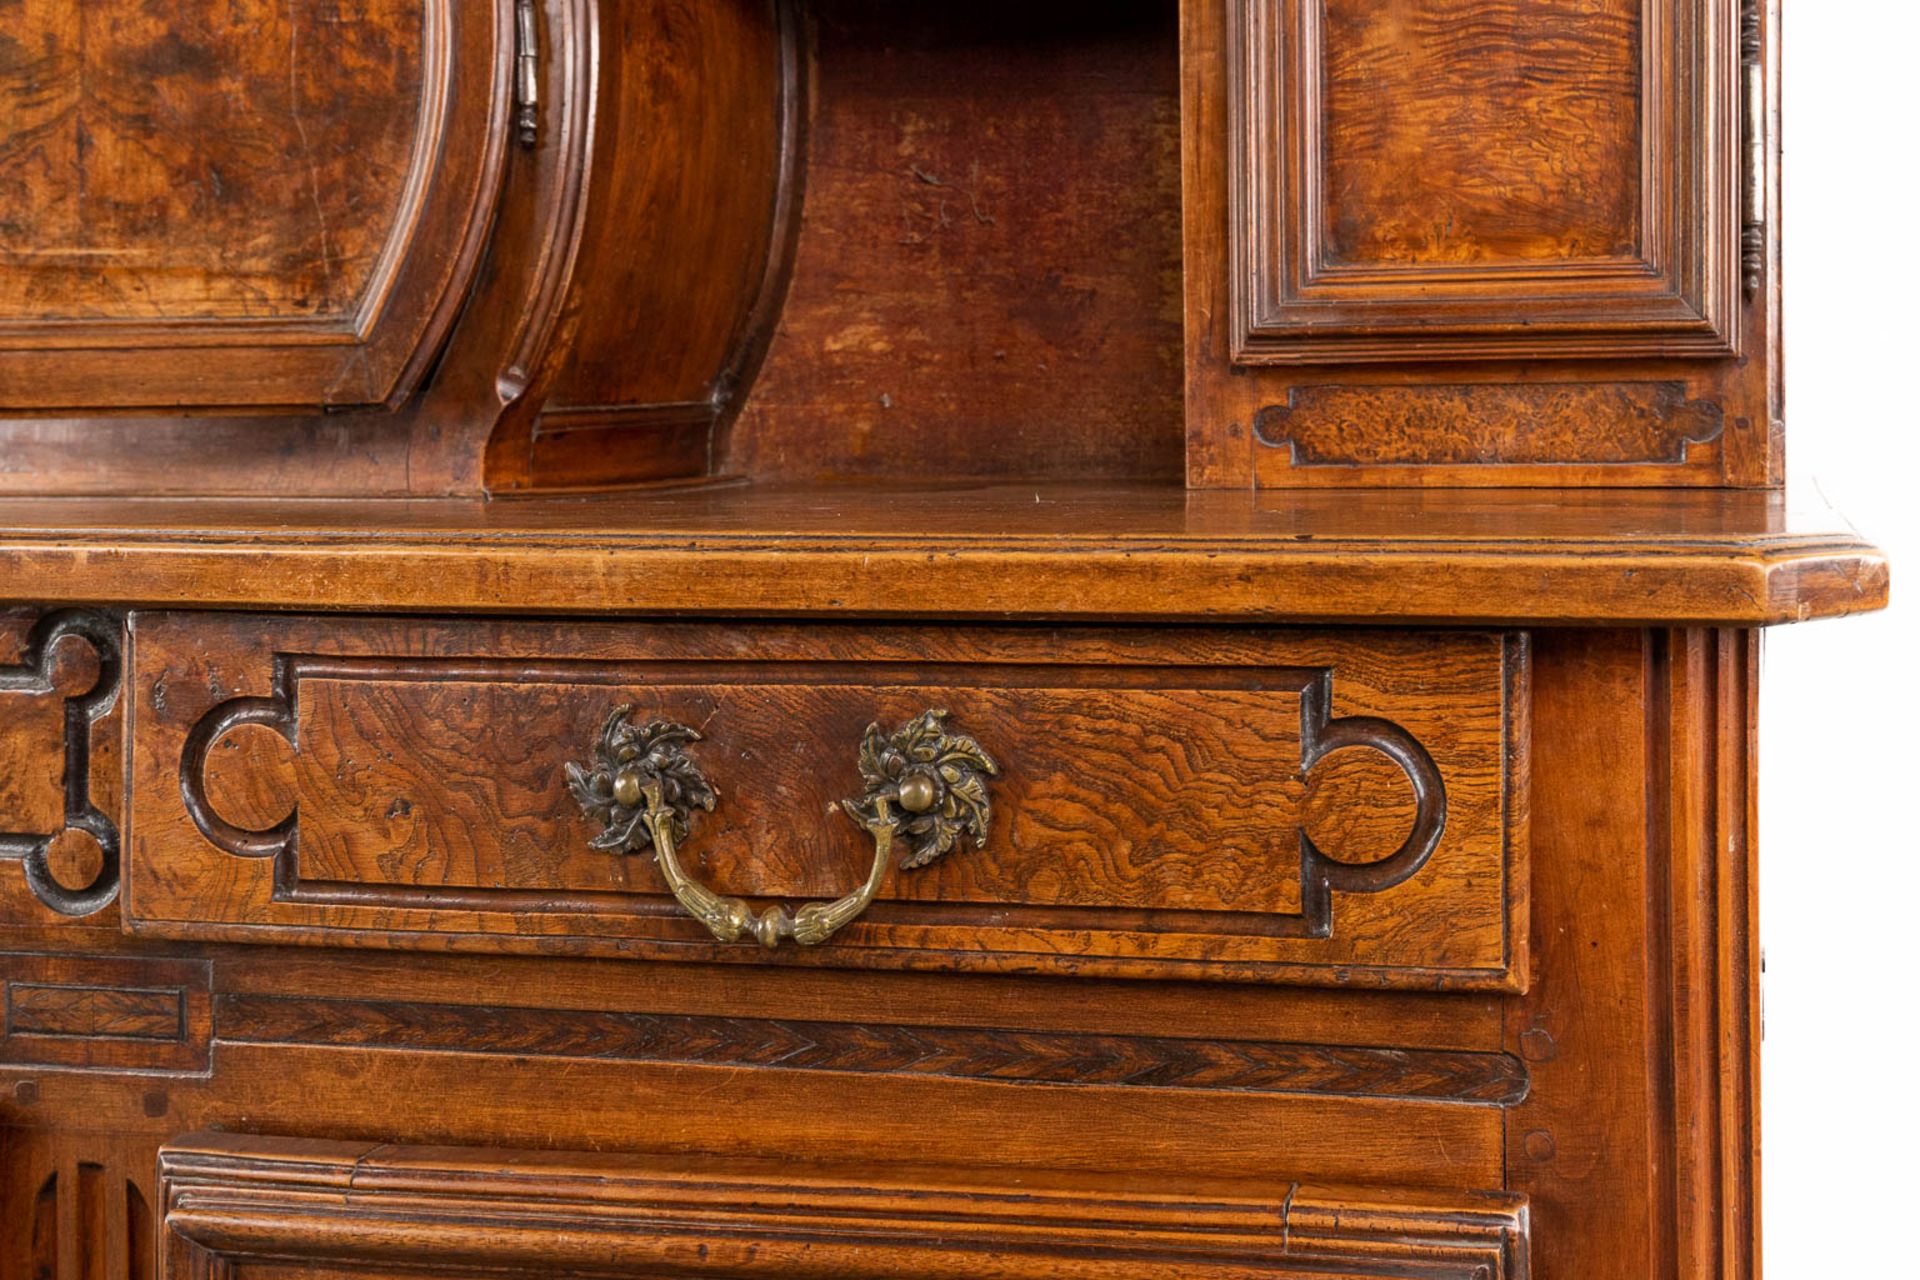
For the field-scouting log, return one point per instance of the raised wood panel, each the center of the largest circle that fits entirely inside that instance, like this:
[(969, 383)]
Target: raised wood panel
[(241, 204), (1447, 179), (253, 1208), (1151, 815), (1481, 243)]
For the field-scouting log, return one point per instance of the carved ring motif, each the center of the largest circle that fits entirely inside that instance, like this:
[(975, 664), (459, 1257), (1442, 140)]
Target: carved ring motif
[(925, 789)]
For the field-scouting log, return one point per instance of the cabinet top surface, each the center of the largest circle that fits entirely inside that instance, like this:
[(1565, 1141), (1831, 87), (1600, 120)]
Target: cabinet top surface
[(1141, 552)]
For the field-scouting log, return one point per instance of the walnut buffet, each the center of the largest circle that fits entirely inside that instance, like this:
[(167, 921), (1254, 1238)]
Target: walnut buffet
[(830, 638)]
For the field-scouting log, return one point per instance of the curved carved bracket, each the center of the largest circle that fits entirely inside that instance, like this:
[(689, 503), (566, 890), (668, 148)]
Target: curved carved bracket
[(83, 709)]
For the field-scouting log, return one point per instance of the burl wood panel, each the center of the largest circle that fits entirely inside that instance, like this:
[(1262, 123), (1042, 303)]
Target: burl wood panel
[(1544, 204), (1416, 93), (987, 279), (266, 1207), (294, 192), (198, 160), (1151, 813)]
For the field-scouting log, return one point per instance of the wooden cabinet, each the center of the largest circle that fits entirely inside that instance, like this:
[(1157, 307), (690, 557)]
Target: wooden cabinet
[(606, 669), (1478, 243), (386, 245)]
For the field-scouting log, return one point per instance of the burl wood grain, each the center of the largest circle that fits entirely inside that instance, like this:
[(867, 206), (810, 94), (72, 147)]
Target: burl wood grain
[(1148, 813), (1375, 191), (1481, 131), (203, 158), (1550, 424)]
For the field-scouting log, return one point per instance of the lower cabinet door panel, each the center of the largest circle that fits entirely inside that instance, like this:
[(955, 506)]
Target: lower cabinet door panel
[(1323, 807), (251, 1208)]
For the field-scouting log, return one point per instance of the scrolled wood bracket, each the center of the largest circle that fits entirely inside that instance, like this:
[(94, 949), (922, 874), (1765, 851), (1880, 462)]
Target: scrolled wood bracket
[(925, 789)]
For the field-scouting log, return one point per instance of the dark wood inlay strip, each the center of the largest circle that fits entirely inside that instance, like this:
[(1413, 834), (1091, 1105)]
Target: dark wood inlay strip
[(1019, 1057)]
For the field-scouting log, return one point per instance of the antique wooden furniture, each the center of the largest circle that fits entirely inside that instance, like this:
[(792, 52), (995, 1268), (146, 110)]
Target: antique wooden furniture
[(830, 638)]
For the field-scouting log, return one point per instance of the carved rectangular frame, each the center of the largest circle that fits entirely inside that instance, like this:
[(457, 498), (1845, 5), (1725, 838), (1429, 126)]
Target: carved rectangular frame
[(1679, 296)]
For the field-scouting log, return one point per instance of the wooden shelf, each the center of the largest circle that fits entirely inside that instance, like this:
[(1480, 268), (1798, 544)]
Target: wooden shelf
[(1142, 552)]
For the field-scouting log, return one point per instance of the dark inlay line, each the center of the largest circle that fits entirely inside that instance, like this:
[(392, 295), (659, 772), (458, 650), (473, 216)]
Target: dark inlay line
[(966, 1053)]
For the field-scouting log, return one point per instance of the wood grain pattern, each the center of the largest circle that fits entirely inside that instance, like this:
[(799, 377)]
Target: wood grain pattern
[(1056, 552), (1576, 200), (1483, 179), (147, 174), (237, 1203), (677, 268), (104, 1012), (987, 280), (1441, 115), (1661, 848), (295, 193), (1541, 424), (873, 1048), (1151, 808), (77, 1207)]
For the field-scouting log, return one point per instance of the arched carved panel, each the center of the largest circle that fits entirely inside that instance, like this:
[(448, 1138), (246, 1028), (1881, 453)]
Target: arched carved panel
[(242, 203)]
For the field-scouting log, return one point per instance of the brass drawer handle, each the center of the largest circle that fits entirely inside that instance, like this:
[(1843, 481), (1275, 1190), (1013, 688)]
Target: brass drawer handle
[(925, 789)]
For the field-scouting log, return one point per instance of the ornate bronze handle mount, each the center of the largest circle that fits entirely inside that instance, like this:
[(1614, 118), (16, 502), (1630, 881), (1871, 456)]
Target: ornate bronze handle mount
[(926, 788)]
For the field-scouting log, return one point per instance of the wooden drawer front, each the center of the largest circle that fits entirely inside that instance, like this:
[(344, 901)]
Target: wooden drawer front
[(246, 1207), (1318, 807)]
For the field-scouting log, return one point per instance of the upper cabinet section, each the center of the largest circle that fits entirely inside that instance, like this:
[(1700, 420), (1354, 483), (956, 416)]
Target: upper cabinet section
[(1478, 242), (1438, 180), (238, 203)]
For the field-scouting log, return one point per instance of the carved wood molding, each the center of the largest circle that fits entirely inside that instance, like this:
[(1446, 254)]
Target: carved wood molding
[(40, 675), (233, 1200), (1327, 268), (1012, 1057)]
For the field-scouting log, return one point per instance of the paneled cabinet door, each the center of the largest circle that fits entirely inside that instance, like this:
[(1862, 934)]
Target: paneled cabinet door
[(241, 203), (1479, 241)]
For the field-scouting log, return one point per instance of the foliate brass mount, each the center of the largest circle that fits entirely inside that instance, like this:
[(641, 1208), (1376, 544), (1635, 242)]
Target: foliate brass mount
[(925, 789)]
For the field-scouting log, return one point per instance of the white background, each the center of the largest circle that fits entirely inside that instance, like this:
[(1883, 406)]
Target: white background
[(1840, 701)]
